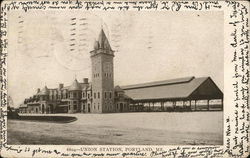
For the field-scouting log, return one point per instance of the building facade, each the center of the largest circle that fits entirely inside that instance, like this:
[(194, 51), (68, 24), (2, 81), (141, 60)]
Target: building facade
[(83, 97)]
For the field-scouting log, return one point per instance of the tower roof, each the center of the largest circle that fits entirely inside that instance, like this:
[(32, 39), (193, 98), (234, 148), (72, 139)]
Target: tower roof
[(75, 86), (44, 91), (102, 42)]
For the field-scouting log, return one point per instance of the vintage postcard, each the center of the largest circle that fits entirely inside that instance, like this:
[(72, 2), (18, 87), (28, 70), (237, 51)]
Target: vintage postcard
[(124, 78)]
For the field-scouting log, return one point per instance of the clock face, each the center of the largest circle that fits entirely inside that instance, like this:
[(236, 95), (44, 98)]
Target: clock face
[(96, 65), (107, 67)]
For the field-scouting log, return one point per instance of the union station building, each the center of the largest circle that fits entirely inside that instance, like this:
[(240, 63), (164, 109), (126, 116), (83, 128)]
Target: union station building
[(101, 96)]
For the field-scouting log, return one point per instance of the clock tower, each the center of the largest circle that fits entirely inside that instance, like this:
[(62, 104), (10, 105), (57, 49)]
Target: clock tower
[(102, 76)]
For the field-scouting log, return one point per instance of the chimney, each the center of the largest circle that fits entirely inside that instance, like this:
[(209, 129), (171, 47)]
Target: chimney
[(60, 85), (85, 80), (38, 90)]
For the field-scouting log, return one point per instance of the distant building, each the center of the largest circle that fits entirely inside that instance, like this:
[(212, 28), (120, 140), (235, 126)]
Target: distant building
[(100, 95)]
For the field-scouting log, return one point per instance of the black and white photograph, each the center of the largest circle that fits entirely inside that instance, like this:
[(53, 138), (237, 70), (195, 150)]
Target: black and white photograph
[(115, 78)]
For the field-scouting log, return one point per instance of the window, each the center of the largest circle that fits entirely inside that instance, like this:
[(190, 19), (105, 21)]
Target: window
[(75, 107), (83, 94), (98, 106), (74, 94), (98, 94), (110, 95), (120, 95), (88, 96), (75, 102), (105, 95), (94, 95)]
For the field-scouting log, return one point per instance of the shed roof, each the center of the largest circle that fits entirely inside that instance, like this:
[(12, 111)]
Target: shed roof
[(158, 83), (174, 89)]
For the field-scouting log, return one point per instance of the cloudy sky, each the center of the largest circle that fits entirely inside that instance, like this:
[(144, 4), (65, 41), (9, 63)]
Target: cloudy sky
[(51, 47)]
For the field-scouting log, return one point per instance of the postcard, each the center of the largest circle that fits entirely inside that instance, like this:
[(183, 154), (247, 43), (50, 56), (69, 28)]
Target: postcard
[(124, 78)]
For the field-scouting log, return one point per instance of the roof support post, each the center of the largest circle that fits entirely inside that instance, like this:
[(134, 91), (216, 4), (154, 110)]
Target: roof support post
[(174, 104), (222, 104), (194, 105), (162, 108), (190, 105), (208, 104), (153, 106), (148, 106)]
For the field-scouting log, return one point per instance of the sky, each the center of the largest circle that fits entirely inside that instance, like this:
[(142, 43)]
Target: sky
[(52, 47)]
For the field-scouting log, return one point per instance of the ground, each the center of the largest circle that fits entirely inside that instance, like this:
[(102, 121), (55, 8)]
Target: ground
[(158, 128)]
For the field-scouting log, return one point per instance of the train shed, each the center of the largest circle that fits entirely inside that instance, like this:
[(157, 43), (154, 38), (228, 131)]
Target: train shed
[(186, 94)]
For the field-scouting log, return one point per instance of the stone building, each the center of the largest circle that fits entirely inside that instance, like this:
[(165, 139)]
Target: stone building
[(96, 97)]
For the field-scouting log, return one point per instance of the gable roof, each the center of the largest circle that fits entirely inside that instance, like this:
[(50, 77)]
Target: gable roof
[(167, 89)]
